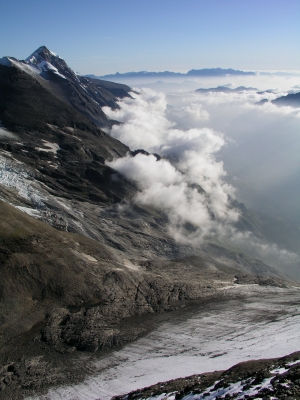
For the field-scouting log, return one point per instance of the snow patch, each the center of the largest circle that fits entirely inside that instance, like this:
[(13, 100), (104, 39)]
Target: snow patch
[(30, 69), (293, 363), (49, 147), (20, 180), (210, 393), (5, 133), (164, 396), (84, 257), (83, 87), (128, 264), (279, 370), (46, 66), (55, 166), (30, 211)]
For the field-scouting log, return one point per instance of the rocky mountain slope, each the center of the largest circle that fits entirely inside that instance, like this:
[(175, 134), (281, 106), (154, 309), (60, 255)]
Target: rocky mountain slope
[(81, 262), (62, 292), (51, 72)]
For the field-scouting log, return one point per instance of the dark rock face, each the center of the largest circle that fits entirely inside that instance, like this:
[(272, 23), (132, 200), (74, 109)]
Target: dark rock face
[(87, 96), (26, 104), (38, 117), (117, 89)]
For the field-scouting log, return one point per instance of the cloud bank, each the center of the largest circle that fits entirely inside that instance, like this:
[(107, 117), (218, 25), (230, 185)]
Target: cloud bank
[(188, 182)]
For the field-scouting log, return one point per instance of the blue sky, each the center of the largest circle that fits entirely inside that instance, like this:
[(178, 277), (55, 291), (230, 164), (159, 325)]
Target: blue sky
[(101, 36)]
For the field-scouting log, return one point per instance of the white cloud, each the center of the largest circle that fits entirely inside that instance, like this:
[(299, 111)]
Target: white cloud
[(188, 184), (190, 190)]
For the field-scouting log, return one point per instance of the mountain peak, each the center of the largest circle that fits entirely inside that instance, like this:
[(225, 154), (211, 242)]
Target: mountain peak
[(47, 61), (42, 53)]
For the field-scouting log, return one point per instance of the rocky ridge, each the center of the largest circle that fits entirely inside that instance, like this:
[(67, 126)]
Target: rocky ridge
[(85, 95), (276, 378)]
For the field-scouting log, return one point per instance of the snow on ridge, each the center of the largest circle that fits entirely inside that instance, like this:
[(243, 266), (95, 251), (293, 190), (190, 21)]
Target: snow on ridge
[(59, 74), (33, 65), (5, 61), (27, 67), (32, 60), (46, 66), (36, 64)]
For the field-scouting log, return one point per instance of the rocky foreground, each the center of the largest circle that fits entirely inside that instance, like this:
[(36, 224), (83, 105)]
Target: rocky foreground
[(276, 378), (62, 292)]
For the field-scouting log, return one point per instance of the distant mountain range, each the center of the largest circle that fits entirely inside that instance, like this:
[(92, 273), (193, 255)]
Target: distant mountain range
[(292, 100), (226, 89), (280, 73), (170, 74)]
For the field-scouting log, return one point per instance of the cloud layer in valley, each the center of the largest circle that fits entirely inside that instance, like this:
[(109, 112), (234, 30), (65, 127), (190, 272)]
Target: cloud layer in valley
[(190, 189), (188, 183)]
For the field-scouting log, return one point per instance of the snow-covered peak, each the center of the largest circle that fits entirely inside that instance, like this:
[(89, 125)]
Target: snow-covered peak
[(42, 53), (47, 60), (43, 62)]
